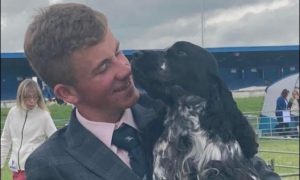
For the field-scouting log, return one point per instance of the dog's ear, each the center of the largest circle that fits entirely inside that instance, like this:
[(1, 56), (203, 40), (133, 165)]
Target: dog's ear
[(233, 117), (216, 110), (220, 93), (215, 100)]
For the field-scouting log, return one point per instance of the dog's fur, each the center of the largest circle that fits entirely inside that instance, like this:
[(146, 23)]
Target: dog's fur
[(205, 136)]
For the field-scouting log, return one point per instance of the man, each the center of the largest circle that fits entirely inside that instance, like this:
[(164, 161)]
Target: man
[(71, 47)]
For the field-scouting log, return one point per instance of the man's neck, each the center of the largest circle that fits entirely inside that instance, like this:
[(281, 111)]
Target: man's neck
[(97, 115)]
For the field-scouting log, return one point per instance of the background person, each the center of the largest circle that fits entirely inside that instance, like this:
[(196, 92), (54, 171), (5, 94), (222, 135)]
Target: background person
[(293, 105), (71, 47), (281, 105), (27, 126)]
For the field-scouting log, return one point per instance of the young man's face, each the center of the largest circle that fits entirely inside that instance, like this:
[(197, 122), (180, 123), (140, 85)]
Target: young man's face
[(104, 79)]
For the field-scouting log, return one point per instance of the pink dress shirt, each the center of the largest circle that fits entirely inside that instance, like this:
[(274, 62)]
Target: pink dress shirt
[(104, 131)]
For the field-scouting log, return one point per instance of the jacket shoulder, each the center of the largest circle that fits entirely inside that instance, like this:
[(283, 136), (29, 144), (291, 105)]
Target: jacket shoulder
[(51, 147)]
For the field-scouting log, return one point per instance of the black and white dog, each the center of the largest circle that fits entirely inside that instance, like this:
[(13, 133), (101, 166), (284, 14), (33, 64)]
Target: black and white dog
[(205, 136)]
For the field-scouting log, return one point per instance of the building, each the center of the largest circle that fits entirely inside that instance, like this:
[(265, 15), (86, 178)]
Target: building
[(240, 67)]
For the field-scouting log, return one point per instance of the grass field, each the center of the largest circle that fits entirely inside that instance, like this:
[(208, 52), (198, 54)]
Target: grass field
[(60, 114)]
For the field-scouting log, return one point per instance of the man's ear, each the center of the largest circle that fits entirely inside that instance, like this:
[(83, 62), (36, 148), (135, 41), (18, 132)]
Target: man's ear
[(66, 93)]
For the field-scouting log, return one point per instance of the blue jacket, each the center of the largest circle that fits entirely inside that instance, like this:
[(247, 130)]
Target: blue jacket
[(281, 104)]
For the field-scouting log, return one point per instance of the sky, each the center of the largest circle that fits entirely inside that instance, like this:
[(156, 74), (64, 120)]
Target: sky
[(157, 24)]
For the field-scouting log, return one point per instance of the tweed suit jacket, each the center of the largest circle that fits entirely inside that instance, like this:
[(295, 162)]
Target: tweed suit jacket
[(73, 153)]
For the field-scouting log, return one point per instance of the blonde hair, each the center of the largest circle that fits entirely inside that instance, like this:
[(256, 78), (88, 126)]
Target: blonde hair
[(296, 91), (23, 89)]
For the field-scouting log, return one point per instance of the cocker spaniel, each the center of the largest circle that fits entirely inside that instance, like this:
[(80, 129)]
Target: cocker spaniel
[(205, 136)]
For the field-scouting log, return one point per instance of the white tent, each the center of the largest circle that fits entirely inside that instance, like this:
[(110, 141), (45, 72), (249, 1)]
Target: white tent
[(268, 119), (273, 92)]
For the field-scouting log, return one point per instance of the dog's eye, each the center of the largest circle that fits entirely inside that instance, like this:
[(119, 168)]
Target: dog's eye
[(181, 53)]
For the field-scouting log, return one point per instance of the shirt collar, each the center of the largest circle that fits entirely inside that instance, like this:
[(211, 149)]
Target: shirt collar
[(104, 130)]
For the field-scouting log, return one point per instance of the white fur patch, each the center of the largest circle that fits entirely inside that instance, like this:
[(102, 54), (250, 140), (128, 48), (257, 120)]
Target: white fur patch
[(170, 163), (163, 66)]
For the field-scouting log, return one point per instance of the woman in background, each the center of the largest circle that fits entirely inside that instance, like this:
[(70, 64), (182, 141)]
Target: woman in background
[(282, 105), (28, 125), (293, 105)]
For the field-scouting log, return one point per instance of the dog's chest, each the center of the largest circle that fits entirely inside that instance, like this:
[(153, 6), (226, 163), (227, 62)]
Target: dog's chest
[(172, 148), (184, 148)]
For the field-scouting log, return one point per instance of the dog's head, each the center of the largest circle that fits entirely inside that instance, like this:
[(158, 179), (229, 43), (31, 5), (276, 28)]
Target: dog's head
[(186, 69), (167, 73)]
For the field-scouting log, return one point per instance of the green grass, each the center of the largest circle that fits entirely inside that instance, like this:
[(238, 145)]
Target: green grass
[(251, 105), (6, 173), (61, 113), (284, 145)]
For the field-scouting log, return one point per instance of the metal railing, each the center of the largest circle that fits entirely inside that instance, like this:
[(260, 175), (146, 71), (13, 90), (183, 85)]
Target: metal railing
[(273, 165), (270, 128)]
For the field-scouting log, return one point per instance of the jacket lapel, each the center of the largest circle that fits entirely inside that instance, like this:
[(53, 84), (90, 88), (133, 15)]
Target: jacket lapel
[(84, 147)]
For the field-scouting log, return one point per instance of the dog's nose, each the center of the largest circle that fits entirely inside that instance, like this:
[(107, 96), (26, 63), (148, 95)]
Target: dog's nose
[(137, 54)]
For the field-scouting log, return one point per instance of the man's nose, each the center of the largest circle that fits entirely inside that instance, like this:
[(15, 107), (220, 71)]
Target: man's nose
[(123, 68)]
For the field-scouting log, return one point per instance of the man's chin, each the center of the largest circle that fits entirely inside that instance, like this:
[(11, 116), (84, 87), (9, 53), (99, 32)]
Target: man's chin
[(129, 100)]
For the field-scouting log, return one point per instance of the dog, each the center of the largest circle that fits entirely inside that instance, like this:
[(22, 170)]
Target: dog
[(205, 136)]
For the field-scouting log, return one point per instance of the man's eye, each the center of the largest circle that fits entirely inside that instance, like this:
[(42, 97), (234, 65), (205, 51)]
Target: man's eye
[(119, 53), (103, 67)]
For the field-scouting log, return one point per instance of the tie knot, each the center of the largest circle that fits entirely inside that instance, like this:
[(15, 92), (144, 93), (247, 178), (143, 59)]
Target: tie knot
[(125, 138)]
